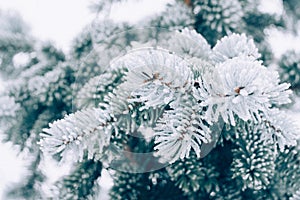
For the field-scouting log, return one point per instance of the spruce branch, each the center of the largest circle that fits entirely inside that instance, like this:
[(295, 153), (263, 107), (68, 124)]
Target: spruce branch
[(281, 129), (177, 15), (154, 77), (181, 130), (153, 185), (192, 174), (235, 45), (290, 68), (240, 87), (189, 44), (254, 159), (215, 18), (81, 183), (84, 130), (94, 91), (53, 86), (287, 168)]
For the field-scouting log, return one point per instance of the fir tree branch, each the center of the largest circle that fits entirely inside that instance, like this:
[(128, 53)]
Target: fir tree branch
[(280, 128), (180, 130), (85, 130), (94, 91), (254, 160), (82, 183), (240, 87)]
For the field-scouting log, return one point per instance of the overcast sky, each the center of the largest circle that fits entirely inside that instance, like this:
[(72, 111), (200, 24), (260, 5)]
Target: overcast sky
[(57, 20), (61, 20)]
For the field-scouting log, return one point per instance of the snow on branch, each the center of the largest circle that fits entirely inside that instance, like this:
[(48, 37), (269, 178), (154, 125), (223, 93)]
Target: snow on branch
[(188, 43), (243, 88), (176, 98), (156, 76), (180, 130), (281, 128), (235, 45), (84, 130), (96, 88)]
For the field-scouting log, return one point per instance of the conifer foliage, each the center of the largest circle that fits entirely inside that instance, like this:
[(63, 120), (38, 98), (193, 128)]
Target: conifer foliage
[(181, 106)]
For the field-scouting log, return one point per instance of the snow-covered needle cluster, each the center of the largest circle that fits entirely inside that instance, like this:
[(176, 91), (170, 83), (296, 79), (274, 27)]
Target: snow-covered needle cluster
[(227, 83), (78, 132)]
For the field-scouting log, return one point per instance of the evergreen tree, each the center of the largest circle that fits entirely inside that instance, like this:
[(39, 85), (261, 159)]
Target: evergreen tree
[(181, 105)]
